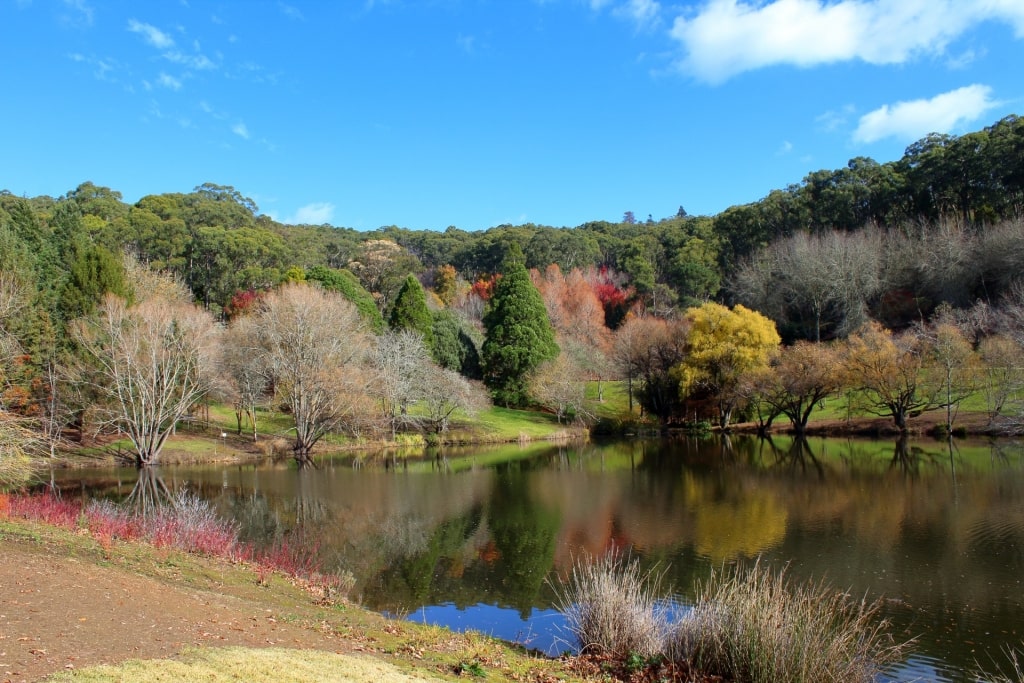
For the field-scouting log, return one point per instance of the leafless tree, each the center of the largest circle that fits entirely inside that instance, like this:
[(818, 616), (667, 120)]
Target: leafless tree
[(314, 346), (403, 367), (447, 392), (247, 377), (558, 384), (149, 364)]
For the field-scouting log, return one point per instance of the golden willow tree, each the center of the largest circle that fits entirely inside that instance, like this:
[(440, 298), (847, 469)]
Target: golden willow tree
[(148, 363), (723, 348)]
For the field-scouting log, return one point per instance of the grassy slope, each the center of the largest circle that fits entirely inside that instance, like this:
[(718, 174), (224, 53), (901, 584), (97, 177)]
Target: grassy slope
[(394, 648)]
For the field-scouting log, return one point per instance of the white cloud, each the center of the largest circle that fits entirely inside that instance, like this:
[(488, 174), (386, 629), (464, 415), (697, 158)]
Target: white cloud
[(241, 130), (198, 61), (151, 34), (914, 119), (169, 82), (728, 37), (785, 148), (644, 13), (316, 213)]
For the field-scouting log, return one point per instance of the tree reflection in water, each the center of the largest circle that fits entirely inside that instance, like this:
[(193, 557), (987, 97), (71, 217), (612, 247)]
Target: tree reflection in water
[(150, 493)]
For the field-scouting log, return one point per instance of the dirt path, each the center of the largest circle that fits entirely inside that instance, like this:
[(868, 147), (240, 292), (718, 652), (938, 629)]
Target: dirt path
[(59, 612)]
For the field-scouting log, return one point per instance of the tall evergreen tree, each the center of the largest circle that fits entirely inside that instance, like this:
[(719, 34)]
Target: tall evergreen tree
[(410, 311), (519, 336)]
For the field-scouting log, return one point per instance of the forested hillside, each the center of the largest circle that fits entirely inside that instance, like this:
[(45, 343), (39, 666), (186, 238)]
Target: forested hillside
[(938, 230)]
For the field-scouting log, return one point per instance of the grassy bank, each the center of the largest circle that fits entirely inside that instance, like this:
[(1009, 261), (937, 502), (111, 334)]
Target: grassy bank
[(354, 644)]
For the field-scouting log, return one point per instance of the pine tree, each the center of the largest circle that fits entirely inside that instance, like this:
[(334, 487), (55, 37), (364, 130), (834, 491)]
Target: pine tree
[(410, 311), (518, 333)]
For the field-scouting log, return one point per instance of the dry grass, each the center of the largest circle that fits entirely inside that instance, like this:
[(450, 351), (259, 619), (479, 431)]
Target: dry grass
[(244, 664), (753, 625), (610, 607), (1016, 658)]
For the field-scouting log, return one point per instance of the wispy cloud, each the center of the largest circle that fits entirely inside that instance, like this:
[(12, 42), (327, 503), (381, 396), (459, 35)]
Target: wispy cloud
[(785, 148), (80, 13), (168, 81), (241, 130), (316, 213), (728, 37), (643, 13), (291, 12), (914, 119), (151, 34), (199, 62)]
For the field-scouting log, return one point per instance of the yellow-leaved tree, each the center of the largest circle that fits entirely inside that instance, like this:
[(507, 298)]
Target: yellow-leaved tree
[(724, 346)]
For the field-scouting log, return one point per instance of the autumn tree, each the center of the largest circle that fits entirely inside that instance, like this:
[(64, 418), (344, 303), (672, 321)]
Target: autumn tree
[(446, 284), (645, 352), (313, 345), (952, 364), (889, 369), (148, 363), (803, 374), (518, 333), (723, 345)]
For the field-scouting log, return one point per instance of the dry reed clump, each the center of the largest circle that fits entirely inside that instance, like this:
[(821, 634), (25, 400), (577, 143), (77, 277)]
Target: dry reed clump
[(754, 625), (747, 625), (610, 607)]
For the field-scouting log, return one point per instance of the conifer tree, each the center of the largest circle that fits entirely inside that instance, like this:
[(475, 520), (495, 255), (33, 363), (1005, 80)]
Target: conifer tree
[(519, 336), (410, 311)]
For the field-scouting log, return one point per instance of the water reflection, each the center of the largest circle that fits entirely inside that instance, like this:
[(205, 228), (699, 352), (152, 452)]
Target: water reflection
[(936, 528)]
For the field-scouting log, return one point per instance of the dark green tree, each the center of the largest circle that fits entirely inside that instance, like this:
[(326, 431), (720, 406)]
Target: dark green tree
[(93, 271), (345, 283), (454, 348), (518, 333), (410, 311)]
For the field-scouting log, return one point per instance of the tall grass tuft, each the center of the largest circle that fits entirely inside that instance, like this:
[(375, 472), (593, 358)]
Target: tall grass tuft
[(611, 607), (754, 625), (1016, 658)]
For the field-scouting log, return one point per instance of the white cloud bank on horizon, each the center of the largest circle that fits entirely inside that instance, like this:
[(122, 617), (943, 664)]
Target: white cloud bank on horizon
[(729, 37), (913, 120)]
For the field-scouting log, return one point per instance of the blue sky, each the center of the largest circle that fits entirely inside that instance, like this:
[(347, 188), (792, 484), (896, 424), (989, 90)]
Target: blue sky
[(474, 113)]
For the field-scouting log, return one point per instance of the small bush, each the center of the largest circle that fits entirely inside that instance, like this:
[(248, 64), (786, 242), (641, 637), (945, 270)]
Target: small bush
[(610, 607), (753, 625)]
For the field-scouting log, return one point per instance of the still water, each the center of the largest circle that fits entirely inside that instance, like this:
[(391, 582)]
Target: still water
[(474, 539)]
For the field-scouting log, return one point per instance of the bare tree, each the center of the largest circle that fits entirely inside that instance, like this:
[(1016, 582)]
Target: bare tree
[(1003, 378), (149, 364), (446, 392), (248, 378), (558, 384), (313, 345), (403, 366)]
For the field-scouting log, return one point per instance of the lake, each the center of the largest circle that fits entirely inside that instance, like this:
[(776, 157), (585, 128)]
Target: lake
[(474, 538)]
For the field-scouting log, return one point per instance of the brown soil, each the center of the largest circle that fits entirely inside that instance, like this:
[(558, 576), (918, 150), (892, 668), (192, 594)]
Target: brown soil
[(61, 613)]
